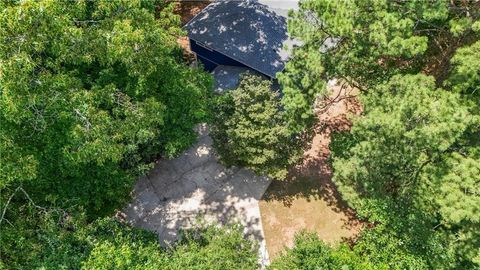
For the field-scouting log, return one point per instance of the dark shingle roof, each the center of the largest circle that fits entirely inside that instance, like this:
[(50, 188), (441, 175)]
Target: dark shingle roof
[(228, 77), (246, 31)]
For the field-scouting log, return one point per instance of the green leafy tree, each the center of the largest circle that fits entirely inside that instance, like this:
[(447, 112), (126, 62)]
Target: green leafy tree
[(407, 125), (407, 164), (375, 249), (90, 93), (367, 42), (465, 75), (249, 129), (34, 237), (308, 253), (301, 84), (211, 247), (397, 163), (457, 200)]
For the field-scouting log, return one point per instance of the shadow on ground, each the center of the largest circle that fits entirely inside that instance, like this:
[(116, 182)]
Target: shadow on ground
[(177, 192), (312, 179), (308, 199)]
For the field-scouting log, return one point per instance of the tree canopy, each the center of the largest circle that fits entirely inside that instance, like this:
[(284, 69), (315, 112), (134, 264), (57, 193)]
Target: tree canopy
[(409, 165), (56, 239), (399, 156), (366, 42), (91, 93), (374, 250), (250, 129)]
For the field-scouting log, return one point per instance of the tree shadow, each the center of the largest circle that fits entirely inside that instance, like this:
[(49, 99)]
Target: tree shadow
[(179, 192), (311, 179)]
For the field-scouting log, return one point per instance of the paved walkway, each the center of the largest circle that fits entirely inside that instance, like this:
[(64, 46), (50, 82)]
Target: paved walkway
[(178, 191)]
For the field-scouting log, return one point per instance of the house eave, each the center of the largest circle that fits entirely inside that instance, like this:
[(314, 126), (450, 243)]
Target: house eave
[(236, 59)]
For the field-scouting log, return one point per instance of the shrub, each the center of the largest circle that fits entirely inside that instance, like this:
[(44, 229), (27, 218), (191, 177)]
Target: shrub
[(249, 129)]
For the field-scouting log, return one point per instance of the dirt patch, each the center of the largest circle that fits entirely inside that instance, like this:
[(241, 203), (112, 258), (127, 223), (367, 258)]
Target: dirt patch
[(187, 10), (188, 55), (308, 199)]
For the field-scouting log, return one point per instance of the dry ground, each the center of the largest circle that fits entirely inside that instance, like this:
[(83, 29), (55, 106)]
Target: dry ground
[(308, 199), (187, 9)]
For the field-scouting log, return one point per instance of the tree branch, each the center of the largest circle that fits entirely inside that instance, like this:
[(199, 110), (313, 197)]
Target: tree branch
[(10, 199)]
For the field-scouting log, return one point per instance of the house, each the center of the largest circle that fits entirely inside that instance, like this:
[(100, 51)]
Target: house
[(232, 36)]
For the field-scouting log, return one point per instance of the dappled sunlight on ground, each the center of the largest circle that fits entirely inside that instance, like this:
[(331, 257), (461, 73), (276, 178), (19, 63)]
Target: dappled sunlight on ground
[(308, 199), (177, 193)]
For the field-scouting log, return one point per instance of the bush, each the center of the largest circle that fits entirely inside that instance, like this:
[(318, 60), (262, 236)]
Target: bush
[(34, 238), (375, 249), (90, 95), (249, 129)]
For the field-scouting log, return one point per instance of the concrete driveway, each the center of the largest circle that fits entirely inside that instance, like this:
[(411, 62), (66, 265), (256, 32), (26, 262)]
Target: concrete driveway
[(179, 191)]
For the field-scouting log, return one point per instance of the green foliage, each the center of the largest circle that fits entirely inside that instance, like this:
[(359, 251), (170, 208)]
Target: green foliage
[(465, 75), (375, 249), (34, 238), (460, 26), (397, 162), (249, 129), (106, 255), (113, 245), (308, 253), (90, 93), (458, 202), (407, 125), (367, 42), (16, 164), (206, 247), (211, 247), (409, 163), (301, 83), (458, 199)]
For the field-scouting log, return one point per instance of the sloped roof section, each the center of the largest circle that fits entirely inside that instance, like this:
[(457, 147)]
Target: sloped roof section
[(247, 31), (228, 77)]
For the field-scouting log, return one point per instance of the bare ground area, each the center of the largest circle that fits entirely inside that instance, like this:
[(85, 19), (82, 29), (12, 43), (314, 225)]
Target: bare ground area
[(187, 9), (308, 199)]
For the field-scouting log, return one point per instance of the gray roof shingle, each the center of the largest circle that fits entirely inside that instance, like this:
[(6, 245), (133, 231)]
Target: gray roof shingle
[(228, 77), (247, 31)]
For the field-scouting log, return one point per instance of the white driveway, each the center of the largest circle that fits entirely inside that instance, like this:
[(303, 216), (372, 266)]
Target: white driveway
[(176, 192)]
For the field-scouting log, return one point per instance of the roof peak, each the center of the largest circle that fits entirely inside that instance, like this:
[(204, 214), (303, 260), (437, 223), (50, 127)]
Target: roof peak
[(247, 31)]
